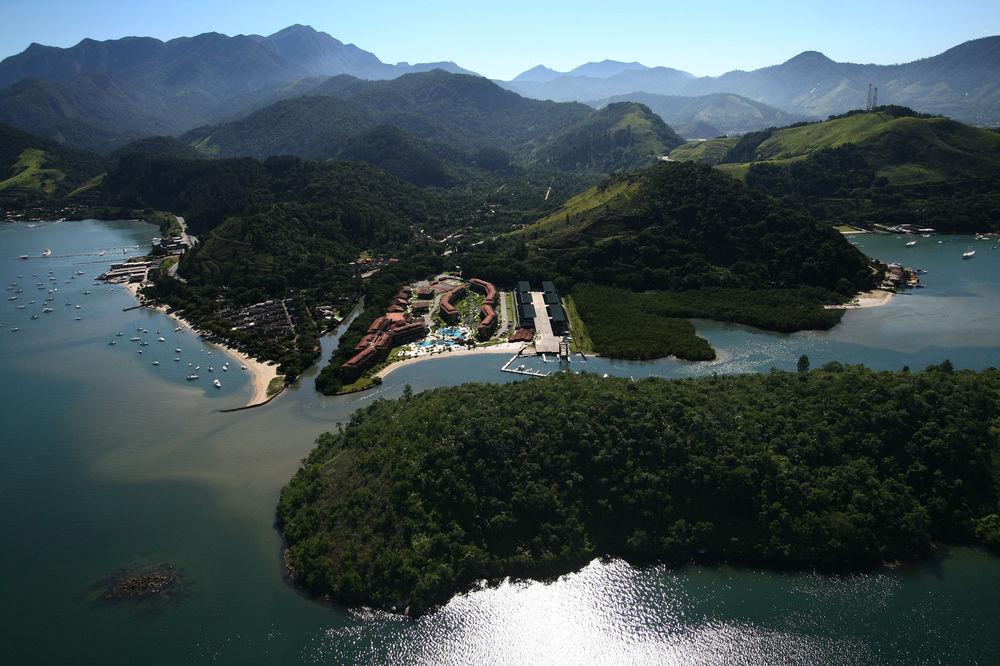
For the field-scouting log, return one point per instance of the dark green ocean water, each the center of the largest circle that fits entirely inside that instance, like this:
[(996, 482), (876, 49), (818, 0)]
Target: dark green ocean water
[(108, 462)]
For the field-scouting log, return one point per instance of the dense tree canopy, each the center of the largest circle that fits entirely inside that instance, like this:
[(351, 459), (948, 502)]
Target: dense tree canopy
[(841, 467)]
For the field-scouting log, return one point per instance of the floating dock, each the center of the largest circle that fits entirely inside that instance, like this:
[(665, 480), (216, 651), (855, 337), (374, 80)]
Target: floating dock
[(526, 371)]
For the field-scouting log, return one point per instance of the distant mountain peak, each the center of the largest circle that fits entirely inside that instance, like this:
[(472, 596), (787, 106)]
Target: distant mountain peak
[(605, 68), (539, 73), (809, 58)]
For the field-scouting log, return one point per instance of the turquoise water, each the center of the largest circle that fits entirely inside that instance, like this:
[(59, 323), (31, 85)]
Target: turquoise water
[(110, 462)]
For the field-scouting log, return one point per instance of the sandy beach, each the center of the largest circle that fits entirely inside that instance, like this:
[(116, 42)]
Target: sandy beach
[(505, 348), (866, 299), (261, 373)]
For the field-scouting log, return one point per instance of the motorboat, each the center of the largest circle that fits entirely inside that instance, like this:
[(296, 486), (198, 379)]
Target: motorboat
[(156, 362), (161, 339), (217, 384), (911, 243), (968, 255), (112, 342), (191, 377), (177, 351), (134, 338)]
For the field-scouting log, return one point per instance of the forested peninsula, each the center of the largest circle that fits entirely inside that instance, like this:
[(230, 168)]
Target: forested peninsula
[(418, 499)]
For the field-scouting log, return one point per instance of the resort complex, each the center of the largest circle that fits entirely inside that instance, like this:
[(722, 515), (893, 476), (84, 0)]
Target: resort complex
[(449, 312)]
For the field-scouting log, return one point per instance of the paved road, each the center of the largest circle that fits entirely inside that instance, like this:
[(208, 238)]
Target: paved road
[(546, 341)]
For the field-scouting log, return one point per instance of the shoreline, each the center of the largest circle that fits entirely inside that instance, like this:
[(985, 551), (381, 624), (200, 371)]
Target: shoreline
[(260, 373), (865, 299), (502, 348)]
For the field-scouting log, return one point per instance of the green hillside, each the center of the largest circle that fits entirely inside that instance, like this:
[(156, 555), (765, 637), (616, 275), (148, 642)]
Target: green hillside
[(623, 135), (892, 166), (33, 168), (905, 149)]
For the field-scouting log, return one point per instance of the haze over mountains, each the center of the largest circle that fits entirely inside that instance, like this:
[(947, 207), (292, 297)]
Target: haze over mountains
[(100, 96), (963, 82)]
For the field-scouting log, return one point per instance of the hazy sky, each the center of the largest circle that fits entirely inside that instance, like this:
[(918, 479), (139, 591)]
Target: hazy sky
[(500, 39)]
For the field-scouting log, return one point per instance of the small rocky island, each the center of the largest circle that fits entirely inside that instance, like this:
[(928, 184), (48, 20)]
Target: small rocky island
[(160, 581)]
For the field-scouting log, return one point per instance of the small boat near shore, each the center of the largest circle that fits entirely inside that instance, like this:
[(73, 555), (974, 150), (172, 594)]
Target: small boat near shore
[(217, 384), (968, 255), (191, 377)]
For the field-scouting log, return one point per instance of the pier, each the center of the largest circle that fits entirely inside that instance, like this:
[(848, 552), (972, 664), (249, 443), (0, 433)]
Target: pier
[(526, 371)]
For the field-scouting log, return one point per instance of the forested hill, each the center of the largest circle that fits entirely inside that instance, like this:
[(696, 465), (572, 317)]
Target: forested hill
[(678, 226), (451, 117), (33, 168), (279, 229), (841, 468), (891, 166)]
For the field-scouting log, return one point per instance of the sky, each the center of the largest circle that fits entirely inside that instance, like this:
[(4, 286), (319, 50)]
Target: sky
[(500, 39)]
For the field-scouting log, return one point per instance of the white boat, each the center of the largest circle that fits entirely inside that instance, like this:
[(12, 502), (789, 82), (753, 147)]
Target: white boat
[(176, 330), (112, 342), (191, 377), (118, 334), (243, 367), (911, 243), (161, 339), (15, 329), (47, 252), (209, 353), (217, 384), (134, 338), (968, 255), (211, 369), (177, 351), (156, 362), (176, 359), (34, 316), (77, 318), (47, 310), (139, 350)]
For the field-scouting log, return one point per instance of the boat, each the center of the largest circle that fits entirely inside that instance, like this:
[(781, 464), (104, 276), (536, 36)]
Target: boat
[(12, 298), (139, 350), (34, 316), (216, 383), (911, 243), (156, 362), (177, 351), (112, 342), (47, 310), (143, 344), (243, 367), (191, 377), (46, 252), (24, 257), (176, 359), (118, 334), (15, 329), (134, 338), (211, 369), (209, 353), (968, 255), (161, 339), (76, 307), (77, 318), (177, 330)]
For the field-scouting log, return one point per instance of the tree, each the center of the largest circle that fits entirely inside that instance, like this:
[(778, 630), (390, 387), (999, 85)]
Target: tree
[(803, 364)]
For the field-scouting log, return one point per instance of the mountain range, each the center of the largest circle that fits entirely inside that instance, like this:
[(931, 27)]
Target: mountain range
[(100, 95), (963, 83)]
